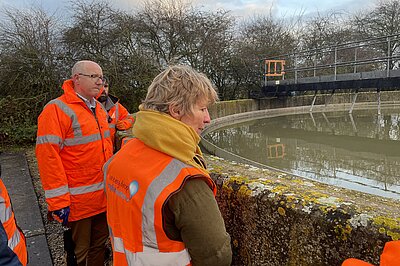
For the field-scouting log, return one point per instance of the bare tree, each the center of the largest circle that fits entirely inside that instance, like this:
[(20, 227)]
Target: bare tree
[(130, 66), (110, 37), (90, 33), (36, 53), (259, 37), (321, 34), (383, 20), (177, 32), (29, 53), (29, 70), (207, 46), (160, 25)]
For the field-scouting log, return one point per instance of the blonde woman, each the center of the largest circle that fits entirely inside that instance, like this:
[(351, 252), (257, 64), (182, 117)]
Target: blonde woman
[(161, 207)]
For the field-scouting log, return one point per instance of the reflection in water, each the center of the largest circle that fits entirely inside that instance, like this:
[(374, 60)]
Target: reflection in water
[(359, 151), (353, 124)]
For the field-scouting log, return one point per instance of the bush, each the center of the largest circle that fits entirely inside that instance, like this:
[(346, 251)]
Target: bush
[(18, 120)]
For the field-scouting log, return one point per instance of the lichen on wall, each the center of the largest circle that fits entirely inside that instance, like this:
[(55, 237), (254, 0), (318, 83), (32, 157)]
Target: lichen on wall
[(278, 219)]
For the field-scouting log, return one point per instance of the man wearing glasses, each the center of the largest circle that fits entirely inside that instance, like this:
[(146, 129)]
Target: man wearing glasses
[(73, 142)]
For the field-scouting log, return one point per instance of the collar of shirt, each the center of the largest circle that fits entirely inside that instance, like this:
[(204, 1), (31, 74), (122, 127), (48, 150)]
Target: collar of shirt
[(91, 104)]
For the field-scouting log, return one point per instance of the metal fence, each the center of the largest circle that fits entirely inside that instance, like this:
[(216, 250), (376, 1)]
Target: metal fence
[(374, 54)]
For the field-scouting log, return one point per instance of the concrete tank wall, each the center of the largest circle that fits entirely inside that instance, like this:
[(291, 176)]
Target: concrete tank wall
[(322, 99), (278, 219), (226, 108)]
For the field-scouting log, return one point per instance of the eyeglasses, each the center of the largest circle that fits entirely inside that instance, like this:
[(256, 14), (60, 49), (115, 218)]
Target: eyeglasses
[(94, 76)]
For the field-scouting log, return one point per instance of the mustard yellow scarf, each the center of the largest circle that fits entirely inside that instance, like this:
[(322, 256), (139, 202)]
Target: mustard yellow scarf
[(164, 133)]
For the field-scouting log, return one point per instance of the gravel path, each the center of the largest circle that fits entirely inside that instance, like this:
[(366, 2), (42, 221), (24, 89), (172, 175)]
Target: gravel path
[(53, 230)]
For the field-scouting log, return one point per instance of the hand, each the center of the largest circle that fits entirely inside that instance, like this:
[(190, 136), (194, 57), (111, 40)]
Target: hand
[(62, 215), (122, 125)]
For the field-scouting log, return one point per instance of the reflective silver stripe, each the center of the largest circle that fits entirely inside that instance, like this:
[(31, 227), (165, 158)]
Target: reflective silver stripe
[(56, 192), (78, 138), (153, 257), (49, 139), (111, 234), (14, 240), (69, 112), (5, 212), (86, 189), (73, 191), (151, 254), (111, 125), (107, 134), (118, 245), (166, 177), (82, 140), (5, 215), (116, 112)]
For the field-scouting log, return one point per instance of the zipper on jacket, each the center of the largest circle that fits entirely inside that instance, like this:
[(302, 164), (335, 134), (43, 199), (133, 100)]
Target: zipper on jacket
[(101, 136)]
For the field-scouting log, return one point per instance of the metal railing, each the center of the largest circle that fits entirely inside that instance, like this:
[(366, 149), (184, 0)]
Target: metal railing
[(374, 54)]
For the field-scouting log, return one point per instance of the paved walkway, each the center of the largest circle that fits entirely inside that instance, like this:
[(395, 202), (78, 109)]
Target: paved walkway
[(17, 179)]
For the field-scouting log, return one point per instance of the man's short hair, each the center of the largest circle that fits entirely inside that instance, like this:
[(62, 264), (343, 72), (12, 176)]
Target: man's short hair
[(179, 86), (80, 66)]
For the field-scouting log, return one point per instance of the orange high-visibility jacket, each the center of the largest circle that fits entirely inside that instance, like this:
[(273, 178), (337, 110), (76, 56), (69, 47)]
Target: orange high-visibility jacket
[(72, 145), (389, 257), (117, 113), (12, 240), (139, 182)]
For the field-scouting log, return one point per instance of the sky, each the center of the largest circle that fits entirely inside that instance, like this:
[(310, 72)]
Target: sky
[(239, 8)]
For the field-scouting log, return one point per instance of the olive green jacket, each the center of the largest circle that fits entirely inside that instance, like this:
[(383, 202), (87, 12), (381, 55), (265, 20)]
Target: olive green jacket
[(192, 216)]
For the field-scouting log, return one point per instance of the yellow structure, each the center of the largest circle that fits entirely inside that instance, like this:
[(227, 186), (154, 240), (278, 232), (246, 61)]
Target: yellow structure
[(274, 68)]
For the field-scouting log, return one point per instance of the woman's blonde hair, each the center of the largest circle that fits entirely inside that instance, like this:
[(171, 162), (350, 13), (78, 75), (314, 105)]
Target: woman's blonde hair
[(179, 86)]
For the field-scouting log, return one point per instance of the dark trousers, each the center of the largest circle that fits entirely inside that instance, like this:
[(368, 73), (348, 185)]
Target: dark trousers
[(90, 235)]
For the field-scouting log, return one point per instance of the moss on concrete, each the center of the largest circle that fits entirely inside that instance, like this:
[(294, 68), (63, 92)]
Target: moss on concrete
[(279, 219)]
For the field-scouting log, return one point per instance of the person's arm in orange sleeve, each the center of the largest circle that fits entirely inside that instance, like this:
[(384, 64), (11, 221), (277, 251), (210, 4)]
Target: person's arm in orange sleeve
[(125, 120), (389, 257), (391, 253), (355, 262), (49, 142)]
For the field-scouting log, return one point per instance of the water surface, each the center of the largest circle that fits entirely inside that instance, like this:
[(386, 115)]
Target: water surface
[(359, 151)]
